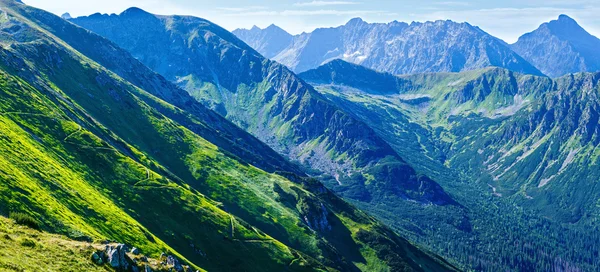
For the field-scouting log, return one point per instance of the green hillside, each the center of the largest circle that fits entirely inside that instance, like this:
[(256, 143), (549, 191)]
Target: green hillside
[(93, 156), (518, 151)]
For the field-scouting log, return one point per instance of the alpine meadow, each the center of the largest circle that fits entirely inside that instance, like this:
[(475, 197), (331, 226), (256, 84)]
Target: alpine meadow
[(177, 135)]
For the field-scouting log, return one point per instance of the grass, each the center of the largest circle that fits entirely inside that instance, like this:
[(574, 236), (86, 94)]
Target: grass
[(25, 249)]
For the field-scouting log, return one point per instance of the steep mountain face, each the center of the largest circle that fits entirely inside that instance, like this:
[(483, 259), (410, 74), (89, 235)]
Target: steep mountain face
[(529, 141), (269, 101), (94, 156), (400, 48), (269, 41), (560, 47)]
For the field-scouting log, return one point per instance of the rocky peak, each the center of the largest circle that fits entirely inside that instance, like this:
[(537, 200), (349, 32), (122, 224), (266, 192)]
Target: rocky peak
[(273, 27), (560, 47), (356, 22), (135, 12), (565, 27), (565, 19), (66, 16)]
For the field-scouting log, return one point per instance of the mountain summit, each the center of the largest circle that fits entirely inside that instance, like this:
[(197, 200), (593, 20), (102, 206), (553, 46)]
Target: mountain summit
[(269, 41), (560, 47), (395, 47)]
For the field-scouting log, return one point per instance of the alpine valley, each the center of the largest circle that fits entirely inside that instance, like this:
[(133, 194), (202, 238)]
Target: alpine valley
[(144, 142)]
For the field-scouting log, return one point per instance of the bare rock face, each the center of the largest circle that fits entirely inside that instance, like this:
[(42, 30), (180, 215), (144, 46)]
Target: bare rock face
[(316, 218)]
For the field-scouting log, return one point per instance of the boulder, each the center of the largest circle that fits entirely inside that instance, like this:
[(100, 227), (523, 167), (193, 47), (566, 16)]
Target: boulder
[(174, 262), (97, 259), (116, 257)]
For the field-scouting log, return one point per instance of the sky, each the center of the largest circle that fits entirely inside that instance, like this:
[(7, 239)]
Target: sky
[(505, 19)]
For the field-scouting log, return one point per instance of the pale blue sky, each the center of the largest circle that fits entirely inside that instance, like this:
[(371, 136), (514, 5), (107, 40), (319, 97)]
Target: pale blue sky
[(506, 19)]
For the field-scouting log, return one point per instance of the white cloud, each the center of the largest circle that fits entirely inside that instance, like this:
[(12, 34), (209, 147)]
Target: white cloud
[(453, 3), (324, 3), (299, 12), (241, 9)]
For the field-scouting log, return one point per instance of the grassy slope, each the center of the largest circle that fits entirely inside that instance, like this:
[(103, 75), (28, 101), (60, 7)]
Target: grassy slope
[(115, 170), (25, 249)]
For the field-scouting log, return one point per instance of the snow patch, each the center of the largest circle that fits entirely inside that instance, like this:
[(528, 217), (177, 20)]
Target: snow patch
[(357, 57)]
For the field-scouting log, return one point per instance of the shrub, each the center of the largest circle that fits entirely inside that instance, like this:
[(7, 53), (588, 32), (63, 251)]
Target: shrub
[(28, 243), (25, 220)]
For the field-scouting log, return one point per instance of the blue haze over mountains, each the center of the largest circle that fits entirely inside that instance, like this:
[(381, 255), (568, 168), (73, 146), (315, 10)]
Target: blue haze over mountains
[(556, 48)]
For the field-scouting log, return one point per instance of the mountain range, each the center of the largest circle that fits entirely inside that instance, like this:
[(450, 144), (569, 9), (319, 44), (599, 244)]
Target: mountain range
[(97, 147), (389, 160), (555, 49), (144, 142), (396, 47)]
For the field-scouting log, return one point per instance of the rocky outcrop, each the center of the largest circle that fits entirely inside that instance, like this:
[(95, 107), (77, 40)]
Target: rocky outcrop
[(120, 258), (315, 216), (115, 256)]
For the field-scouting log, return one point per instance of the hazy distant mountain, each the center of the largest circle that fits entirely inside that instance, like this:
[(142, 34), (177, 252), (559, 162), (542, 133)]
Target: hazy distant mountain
[(560, 47), (398, 48), (269, 41)]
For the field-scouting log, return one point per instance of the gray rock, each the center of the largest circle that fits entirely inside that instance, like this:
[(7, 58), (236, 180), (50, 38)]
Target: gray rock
[(135, 251), (116, 256), (97, 259), (147, 269), (174, 262)]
